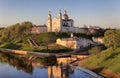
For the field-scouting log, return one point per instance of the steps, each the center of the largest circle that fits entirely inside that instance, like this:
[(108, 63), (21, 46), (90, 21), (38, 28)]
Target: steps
[(32, 42)]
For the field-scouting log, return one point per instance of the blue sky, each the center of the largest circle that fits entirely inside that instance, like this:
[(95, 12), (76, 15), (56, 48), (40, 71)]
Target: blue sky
[(104, 13)]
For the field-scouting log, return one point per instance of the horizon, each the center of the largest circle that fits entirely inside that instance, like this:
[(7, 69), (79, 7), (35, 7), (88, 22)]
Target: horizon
[(103, 13)]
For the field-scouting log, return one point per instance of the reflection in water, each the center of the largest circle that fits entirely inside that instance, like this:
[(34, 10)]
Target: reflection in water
[(20, 63), (60, 71), (31, 64), (26, 63)]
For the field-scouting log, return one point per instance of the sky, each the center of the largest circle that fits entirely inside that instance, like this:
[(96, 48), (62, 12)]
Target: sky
[(104, 13)]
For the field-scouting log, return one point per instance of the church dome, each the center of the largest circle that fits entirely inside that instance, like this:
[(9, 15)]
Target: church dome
[(65, 16)]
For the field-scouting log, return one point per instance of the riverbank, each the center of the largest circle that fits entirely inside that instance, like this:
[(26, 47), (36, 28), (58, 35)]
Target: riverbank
[(24, 62), (58, 59), (72, 61), (105, 63), (13, 51), (52, 48)]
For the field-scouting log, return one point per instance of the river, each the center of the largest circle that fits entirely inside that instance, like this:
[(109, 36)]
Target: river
[(28, 66)]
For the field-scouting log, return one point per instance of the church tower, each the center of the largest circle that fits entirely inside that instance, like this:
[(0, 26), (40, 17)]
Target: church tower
[(65, 16), (49, 29), (59, 20), (59, 14)]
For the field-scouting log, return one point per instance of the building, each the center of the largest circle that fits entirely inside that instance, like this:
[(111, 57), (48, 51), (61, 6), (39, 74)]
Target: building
[(60, 24), (39, 29), (81, 30), (2, 28), (87, 29), (54, 71), (60, 71), (92, 27), (74, 42), (98, 40)]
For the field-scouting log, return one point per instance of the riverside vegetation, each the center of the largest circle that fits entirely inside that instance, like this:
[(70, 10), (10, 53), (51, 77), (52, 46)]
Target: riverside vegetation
[(106, 62)]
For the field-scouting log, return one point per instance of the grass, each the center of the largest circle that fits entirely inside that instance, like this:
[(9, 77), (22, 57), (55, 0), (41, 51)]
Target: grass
[(52, 48), (106, 60)]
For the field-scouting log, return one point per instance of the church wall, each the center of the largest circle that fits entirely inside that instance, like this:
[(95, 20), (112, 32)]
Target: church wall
[(70, 23), (55, 71), (65, 29), (68, 26), (49, 26), (68, 29), (56, 26), (72, 29)]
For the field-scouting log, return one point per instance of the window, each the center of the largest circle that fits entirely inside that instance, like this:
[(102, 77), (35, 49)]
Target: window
[(71, 24), (67, 24)]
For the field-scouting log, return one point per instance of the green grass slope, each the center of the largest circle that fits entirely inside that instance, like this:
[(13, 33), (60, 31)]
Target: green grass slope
[(106, 63)]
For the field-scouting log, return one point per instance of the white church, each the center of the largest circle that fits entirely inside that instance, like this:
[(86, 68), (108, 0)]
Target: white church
[(60, 24)]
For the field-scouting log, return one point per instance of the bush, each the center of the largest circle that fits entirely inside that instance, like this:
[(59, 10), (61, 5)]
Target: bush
[(63, 35), (96, 49), (11, 46)]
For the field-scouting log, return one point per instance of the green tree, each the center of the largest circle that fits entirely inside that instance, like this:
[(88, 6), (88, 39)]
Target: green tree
[(112, 38), (26, 26), (17, 31)]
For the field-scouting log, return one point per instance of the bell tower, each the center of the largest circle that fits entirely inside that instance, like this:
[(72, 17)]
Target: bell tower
[(59, 25), (49, 24), (65, 16), (59, 14)]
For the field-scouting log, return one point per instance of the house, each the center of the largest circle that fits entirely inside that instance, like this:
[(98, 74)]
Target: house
[(80, 30), (98, 39), (2, 28), (74, 42), (39, 29)]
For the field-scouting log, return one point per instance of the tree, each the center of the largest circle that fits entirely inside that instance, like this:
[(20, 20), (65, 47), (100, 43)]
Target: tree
[(26, 26), (15, 31), (99, 32), (112, 38)]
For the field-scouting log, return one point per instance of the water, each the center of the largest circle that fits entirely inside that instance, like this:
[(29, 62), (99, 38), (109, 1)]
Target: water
[(27, 66)]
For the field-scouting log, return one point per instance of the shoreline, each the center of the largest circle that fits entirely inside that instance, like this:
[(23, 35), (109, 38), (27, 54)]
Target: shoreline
[(22, 52), (14, 51), (87, 71)]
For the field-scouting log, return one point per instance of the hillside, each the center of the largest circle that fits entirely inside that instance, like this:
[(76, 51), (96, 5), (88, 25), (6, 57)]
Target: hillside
[(18, 39), (105, 63), (17, 36)]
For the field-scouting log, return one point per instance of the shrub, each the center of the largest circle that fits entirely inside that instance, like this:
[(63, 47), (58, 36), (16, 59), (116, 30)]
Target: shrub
[(96, 49)]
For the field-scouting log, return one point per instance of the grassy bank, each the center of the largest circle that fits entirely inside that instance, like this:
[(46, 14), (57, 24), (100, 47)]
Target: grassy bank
[(105, 63), (52, 48), (21, 43)]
